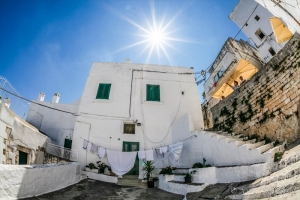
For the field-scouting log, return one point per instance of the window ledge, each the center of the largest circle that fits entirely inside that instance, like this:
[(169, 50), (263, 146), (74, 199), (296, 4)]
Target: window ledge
[(102, 101), (154, 102)]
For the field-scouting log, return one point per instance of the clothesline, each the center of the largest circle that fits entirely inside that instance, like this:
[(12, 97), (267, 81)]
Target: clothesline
[(150, 148)]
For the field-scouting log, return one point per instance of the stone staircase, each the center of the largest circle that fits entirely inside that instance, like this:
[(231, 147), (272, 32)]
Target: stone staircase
[(282, 184), (131, 180)]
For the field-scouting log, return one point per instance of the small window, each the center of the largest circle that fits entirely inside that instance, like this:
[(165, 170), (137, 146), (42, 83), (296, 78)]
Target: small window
[(272, 52), (153, 93), (257, 17), (216, 78), (103, 91), (129, 129), (260, 34)]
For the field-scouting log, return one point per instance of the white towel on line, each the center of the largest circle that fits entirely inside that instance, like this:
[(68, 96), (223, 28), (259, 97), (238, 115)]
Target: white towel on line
[(159, 154), (94, 148), (121, 162), (88, 148), (149, 154), (142, 154), (85, 144), (176, 149), (101, 152), (164, 149)]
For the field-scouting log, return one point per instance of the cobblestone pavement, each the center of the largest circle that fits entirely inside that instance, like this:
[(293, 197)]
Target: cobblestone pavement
[(91, 189)]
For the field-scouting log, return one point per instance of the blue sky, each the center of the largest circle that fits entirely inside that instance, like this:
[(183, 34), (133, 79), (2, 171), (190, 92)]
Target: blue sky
[(49, 45)]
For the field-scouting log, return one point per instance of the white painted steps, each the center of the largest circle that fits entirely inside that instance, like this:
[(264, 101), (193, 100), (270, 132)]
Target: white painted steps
[(131, 180)]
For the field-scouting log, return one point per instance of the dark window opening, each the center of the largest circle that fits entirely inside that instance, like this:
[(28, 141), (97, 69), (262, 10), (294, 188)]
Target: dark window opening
[(272, 52), (129, 129), (257, 18), (260, 34)]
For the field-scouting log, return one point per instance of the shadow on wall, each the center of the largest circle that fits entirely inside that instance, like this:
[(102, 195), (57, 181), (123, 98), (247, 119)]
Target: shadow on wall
[(27, 181)]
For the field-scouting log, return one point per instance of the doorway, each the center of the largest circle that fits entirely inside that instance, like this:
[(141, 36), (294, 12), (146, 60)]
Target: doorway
[(132, 146), (22, 158)]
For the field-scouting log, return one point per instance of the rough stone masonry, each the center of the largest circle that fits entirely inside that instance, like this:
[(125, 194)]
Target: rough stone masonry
[(267, 104)]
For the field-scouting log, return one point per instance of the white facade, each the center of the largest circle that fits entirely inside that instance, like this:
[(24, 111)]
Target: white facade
[(48, 118), (158, 123), (17, 135), (226, 62), (287, 11), (254, 19)]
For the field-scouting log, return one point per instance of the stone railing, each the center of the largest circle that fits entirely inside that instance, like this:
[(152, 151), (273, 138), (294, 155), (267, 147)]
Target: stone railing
[(267, 103)]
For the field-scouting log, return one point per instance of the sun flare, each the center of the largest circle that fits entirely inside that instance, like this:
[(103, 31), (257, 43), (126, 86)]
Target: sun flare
[(156, 37)]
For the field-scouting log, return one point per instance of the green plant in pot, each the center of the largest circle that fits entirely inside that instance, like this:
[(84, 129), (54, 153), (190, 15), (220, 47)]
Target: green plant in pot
[(92, 166), (101, 167), (148, 167), (188, 176)]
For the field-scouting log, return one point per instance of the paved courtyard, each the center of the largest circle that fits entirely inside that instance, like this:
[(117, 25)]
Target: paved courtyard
[(94, 190)]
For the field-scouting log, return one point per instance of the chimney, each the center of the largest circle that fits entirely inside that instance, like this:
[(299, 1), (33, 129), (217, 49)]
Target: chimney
[(127, 60), (7, 102), (41, 96), (55, 98)]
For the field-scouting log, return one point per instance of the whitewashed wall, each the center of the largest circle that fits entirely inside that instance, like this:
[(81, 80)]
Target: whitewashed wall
[(28, 181), (291, 6), (55, 124), (240, 15), (101, 121)]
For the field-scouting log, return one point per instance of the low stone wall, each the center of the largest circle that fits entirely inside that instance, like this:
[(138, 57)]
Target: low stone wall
[(267, 103), (18, 181)]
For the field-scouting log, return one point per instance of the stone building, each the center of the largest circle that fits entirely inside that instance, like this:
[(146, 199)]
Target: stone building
[(236, 58), (266, 105), (21, 143), (254, 21)]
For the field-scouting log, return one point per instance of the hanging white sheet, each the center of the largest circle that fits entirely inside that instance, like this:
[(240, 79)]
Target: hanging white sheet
[(142, 154), (149, 154), (101, 152), (94, 148), (176, 149), (121, 162)]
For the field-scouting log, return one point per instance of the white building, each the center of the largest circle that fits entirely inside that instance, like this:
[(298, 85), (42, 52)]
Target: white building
[(235, 59), (54, 119), (254, 20), (21, 143), (287, 11), (125, 107)]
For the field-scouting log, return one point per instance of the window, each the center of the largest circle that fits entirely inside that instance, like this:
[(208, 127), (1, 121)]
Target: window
[(103, 91), (216, 78), (257, 18), (260, 34), (153, 93), (272, 52), (129, 129)]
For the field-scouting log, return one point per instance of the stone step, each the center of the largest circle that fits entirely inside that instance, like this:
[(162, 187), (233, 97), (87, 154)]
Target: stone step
[(288, 196), (130, 176), (265, 148), (270, 190), (129, 181), (285, 173)]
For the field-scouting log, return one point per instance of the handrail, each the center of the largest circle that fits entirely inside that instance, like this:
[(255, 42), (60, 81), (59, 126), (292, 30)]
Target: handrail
[(65, 153)]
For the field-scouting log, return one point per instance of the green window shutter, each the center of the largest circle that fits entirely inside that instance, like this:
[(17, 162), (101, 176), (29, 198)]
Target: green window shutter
[(103, 91), (153, 93)]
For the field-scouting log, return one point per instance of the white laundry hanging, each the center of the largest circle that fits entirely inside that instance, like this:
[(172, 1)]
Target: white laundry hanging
[(142, 154), (176, 149), (149, 154), (85, 144), (101, 152), (159, 154), (121, 162), (164, 149), (89, 146), (94, 148)]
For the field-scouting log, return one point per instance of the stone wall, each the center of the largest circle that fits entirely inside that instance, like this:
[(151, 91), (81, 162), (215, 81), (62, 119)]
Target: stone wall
[(267, 103)]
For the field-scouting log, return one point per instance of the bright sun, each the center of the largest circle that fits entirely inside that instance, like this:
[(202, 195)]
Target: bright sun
[(156, 37)]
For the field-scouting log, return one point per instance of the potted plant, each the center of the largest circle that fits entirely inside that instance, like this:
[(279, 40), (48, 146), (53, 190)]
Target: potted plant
[(91, 168), (188, 177), (201, 165), (148, 168), (101, 167), (167, 171)]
